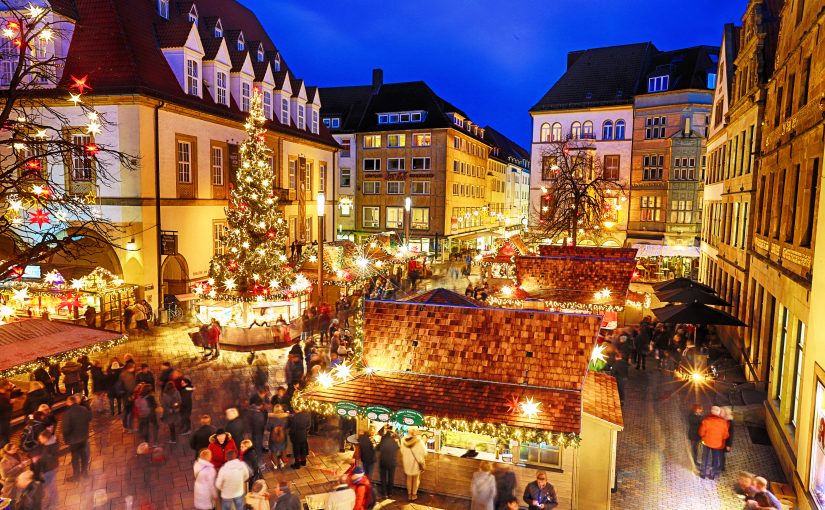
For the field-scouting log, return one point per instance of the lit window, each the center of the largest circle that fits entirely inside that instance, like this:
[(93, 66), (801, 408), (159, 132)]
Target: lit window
[(219, 233), (9, 57), (383, 118), (345, 147), (217, 166), (395, 217), (163, 8), (396, 140), (220, 89), (372, 141), (268, 104), (245, 93), (619, 130), (657, 83), (587, 130), (293, 172), (556, 132), (421, 140), (371, 188), (607, 130), (322, 177), (544, 135), (370, 217), (184, 162), (650, 208), (576, 130), (285, 111), (712, 81), (395, 187), (193, 15), (420, 218), (192, 82), (260, 52)]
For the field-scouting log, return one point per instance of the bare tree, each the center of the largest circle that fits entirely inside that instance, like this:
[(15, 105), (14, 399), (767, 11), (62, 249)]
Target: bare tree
[(51, 166), (576, 193)]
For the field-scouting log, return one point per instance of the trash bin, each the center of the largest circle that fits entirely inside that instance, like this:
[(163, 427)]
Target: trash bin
[(164, 316)]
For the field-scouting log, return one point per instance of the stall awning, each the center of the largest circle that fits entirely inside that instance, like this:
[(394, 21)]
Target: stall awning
[(471, 236), (656, 250), (27, 340), (454, 398), (186, 297)]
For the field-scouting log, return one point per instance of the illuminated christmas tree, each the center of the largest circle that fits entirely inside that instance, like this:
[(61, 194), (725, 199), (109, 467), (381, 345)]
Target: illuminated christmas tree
[(254, 264)]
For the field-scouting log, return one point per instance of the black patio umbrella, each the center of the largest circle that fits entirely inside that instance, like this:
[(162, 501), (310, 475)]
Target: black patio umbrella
[(696, 314), (691, 294), (681, 283)]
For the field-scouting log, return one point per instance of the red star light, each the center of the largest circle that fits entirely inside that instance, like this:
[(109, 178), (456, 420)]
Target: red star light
[(80, 85), (270, 234), (69, 301), (514, 404), (17, 272), (91, 149), (40, 217)]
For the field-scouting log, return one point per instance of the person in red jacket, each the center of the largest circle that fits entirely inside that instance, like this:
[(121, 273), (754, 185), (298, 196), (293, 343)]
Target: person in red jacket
[(220, 443), (362, 486), (714, 432)]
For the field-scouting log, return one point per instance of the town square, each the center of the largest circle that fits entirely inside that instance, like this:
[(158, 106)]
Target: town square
[(469, 255)]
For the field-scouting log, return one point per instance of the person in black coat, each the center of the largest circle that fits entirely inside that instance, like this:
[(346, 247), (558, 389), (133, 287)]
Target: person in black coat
[(112, 387), (200, 438), (98, 385), (694, 422), (642, 341), (505, 484), (76, 421), (387, 460), (41, 374), (366, 451), (256, 424), (186, 389), (85, 366), (299, 424), (235, 425)]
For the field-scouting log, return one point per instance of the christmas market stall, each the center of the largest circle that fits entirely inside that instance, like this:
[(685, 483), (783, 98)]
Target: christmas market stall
[(59, 298), (658, 263), (480, 383), (502, 263)]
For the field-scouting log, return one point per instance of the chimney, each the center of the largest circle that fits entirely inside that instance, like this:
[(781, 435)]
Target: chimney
[(687, 126), (377, 80)]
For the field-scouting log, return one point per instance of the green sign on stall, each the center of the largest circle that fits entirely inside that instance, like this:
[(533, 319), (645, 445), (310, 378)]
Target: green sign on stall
[(379, 413), (350, 409), (409, 417)]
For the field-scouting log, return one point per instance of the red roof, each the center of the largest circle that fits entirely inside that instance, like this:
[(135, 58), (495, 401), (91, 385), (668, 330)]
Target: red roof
[(601, 398)]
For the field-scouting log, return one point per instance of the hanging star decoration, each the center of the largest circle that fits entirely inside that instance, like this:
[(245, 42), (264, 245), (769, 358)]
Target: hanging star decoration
[(78, 284), (35, 11), (40, 217), (41, 192), (20, 294), (93, 128), (80, 85), (71, 300), (530, 408), (514, 404), (342, 371), (75, 98), (17, 272), (90, 197), (40, 133)]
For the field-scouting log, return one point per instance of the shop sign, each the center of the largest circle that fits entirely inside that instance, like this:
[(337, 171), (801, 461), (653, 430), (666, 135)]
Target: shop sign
[(409, 417), (378, 413), (350, 409)]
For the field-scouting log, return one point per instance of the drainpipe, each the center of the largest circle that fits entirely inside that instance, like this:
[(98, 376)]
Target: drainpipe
[(334, 194), (157, 209)]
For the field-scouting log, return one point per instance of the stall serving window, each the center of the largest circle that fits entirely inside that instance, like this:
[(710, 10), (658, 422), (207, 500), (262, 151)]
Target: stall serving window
[(540, 455)]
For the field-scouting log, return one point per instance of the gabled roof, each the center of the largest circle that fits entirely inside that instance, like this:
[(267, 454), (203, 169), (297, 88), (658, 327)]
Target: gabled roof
[(687, 68), (174, 33), (312, 92), (65, 8), (443, 297), (211, 44), (507, 148), (598, 77)]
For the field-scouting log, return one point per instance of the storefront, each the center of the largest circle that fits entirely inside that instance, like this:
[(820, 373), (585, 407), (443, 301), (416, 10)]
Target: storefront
[(540, 409)]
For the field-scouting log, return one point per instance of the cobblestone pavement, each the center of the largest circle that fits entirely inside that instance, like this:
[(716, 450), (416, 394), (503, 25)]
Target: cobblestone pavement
[(654, 466)]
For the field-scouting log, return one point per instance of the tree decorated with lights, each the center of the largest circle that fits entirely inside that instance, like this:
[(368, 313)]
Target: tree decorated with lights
[(254, 263)]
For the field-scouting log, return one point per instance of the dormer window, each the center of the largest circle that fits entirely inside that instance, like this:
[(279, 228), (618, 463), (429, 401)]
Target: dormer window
[(193, 86), (276, 63), (193, 15), (260, 52), (657, 83), (163, 8), (218, 29), (245, 95), (241, 42)]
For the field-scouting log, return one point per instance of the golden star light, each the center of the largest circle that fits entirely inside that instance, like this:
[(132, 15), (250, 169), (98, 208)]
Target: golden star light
[(325, 379), (20, 294), (530, 408), (35, 11), (342, 371), (75, 98), (599, 353), (77, 284), (229, 283)]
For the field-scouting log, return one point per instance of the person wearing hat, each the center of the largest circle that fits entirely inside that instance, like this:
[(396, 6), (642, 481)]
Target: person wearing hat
[(413, 458), (360, 483), (200, 438), (220, 444), (539, 494), (714, 432)]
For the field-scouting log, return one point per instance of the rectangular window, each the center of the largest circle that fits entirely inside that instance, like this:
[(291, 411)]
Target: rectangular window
[(371, 188), (655, 127), (811, 203), (322, 177), (285, 111), (789, 100), (293, 174), (791, 222), (416, 117), (651, 208), (268, 104), (782, 340), (797, 376), (393, 118), (383, 118), (422, 140), (611, 167), (652, 167), (372, 141), (404, 117), (301, 119), (780, 95), (345, 147), (780, 200), (421, 164), (219, 231), (806, 82), (184, 162), (395, 165), (308, 178), (657, 83), (163, 8), (245, 95), (455, 189), (420, 218), (395, 217), (395, 187), (539, 455), (346, 177), (372, 165), (193, 87), (217, 166), (681, 211), (396, 140), (220, 89), (370, 217), (315, 121), (420, 187), (81, 158)]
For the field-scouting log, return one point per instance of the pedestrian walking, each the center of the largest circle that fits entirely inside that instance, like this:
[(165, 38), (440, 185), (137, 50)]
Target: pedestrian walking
[(186, 389), (171, 402), (278, 426), (366, 451), (71, 377), (727, 414), (99, 386), (206, 494), (45, 461), (235, 424), (145, 405), (360, 483), (694, 421), (220, 444), (126, 387), (30, 491), (284, 499), (200, 438), (540, 494), (214, 339), (231, 481), (12, 463), (145, 375), (483, 488), (256, 424), (76, 421), (505, 485), (714, 432), (387, 460), (413, 458), (85, 366), (299, 424)]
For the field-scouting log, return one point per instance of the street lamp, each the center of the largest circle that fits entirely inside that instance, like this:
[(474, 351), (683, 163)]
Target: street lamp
[(320, 203), (407, 220)]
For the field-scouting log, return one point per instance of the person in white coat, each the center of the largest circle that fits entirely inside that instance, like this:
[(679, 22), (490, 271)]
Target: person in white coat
[(483, 488), (206, 494), (231, 482), (413, 457)]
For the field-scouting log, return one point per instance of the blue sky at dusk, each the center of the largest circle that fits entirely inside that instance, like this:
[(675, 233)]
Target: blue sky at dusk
[(493, 59)]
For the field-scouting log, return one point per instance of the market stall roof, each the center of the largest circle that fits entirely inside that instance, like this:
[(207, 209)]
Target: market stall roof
[(578, 296), (657, 250), (601, 399), (467, 399), (29, 339), (505, 253), (443, 297)]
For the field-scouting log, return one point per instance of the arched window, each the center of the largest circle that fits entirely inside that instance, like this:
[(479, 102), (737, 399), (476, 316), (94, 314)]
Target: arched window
[(556, 132), (576, 130), (545, 132), (619, 130), (587, 130), (607, 130)]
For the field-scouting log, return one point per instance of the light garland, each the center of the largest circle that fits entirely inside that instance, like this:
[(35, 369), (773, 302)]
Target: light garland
[(29, 366)]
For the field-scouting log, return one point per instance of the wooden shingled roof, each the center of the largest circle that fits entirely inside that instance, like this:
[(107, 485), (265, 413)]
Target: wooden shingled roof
[(601, 398), (582, 269), (525, 347)]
